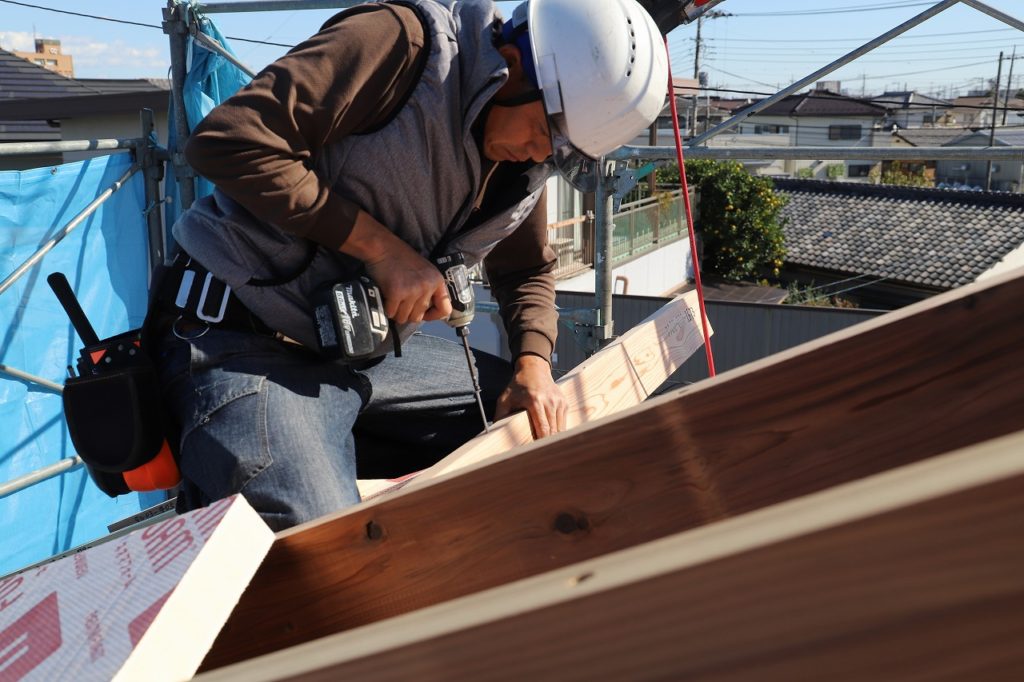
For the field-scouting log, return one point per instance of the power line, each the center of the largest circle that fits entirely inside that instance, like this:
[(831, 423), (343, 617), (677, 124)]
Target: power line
[(861, 40), (893, 75), (884, 62), (835, 10), (880, 100), (130, 23), (80, 14), (896, 50)]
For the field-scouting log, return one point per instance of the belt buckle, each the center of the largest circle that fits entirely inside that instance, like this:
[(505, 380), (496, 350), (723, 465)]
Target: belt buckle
[(201, 307)]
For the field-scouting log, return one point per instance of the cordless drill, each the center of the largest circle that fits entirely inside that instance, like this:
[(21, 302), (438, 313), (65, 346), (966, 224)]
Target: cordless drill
[(460, 291)]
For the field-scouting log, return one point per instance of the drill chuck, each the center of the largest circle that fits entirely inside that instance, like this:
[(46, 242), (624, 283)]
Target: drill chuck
[(460, 289)]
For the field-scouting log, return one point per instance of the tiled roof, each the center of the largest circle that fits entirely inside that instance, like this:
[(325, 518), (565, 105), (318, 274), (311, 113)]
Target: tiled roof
[(906, 99), (931, 237), (117, 85), (30, 96), (1009, 137), (1013, 103), (823, 104), (21, 79), (931, 137)]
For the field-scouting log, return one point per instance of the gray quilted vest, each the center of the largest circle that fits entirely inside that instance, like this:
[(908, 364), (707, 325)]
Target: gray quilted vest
[(418, 175)]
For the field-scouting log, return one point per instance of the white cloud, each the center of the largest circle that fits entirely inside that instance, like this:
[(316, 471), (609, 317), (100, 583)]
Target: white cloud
[(96, 55), (17, 41), (97, 59)]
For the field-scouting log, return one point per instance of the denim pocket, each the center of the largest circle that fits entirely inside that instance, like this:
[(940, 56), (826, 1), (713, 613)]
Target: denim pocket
[(224, 443)]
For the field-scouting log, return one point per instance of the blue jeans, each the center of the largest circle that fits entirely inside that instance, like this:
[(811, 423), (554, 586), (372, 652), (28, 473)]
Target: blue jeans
[(282, 426)]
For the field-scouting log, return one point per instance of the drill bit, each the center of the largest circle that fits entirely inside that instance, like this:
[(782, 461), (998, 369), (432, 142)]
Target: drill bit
[(463, 333)]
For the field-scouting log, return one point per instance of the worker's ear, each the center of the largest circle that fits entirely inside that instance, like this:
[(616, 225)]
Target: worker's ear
[(514, 59), (516, 83)]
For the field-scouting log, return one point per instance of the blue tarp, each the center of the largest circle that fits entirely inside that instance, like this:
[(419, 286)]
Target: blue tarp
[(104, 259), (210, 79)]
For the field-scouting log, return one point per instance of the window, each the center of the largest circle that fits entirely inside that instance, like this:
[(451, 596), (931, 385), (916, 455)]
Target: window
[(770, 129), (858, 171), (568, 201), (844, 132)]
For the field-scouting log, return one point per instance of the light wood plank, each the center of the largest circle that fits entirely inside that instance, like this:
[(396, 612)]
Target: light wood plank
[(913, 574), (143, 606), (948, 373), (622, 375)]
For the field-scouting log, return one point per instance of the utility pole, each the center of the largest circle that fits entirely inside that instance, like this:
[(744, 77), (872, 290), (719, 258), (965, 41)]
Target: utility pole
[(992, 128), (696, 76), (697, 54), (1009, 85)]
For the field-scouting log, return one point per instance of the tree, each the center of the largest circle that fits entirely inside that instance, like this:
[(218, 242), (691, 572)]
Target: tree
[(739, 219), (906, 175)]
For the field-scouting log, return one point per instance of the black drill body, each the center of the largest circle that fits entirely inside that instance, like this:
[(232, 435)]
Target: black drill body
[(460, 292)]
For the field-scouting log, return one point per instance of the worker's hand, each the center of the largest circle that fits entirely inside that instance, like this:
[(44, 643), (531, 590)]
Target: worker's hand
[(412, 287), (532, 389)]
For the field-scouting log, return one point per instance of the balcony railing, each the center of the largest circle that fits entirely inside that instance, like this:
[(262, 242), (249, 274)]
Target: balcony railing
[(640, 227)]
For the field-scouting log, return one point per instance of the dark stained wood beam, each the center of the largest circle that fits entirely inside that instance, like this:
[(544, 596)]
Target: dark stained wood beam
[(913, 574), (943, 374)]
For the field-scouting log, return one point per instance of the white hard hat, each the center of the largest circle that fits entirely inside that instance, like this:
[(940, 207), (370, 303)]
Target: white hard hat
[(603, 72)]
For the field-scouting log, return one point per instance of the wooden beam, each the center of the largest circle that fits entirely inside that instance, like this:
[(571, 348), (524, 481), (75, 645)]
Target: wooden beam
[(622, 375), (146, 605), (917, 573), (946, 373)]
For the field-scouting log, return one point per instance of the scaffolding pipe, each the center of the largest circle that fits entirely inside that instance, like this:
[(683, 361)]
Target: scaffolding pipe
[(153, 173), (176, 27), (25, 376), (212, 45), (85, 213), (39, 475), (820, 73), (629, 153), (995, 14), (275, 5), (604, 230), (19, 148)]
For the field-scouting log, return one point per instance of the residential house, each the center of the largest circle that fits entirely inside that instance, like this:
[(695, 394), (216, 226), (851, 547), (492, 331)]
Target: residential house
[(1007, 176), (918, 137), (822, 118), (976, 112), (94, 109), (910, 109), (888, 246), (23, 80)]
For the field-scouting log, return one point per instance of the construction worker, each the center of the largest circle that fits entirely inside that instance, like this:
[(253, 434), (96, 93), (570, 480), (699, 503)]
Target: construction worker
[(400, 132)]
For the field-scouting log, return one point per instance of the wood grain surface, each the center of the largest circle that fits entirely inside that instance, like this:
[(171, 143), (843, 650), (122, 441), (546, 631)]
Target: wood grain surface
[(914, 574), (621, 375), (944, 374)]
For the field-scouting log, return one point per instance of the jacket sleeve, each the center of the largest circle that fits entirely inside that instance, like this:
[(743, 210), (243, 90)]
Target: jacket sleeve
[(521, 272), (259, 146)]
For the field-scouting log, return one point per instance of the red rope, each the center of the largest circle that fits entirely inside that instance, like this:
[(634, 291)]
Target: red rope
[(689, 217)]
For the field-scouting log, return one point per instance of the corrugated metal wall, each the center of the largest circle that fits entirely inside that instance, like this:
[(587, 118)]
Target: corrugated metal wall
[(744, 332)]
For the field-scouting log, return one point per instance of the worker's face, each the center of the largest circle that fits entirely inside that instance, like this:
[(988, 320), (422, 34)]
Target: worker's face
[(516, 133)]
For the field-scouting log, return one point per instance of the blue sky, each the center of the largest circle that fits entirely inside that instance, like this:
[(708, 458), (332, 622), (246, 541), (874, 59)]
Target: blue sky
[(747, 51)]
